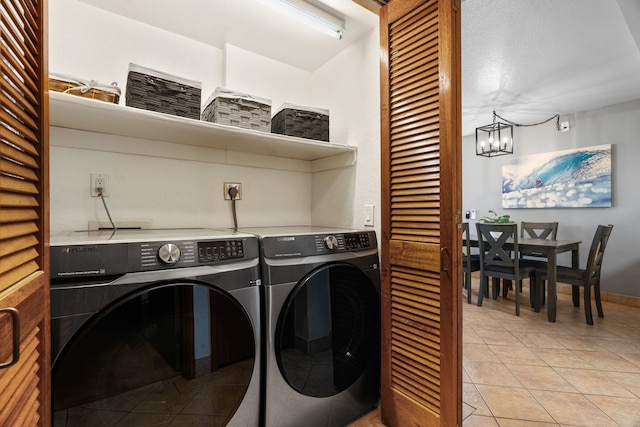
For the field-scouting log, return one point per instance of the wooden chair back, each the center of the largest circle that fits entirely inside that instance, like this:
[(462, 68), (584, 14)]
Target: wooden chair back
[(596, 253), (539, 230), (492, 239)]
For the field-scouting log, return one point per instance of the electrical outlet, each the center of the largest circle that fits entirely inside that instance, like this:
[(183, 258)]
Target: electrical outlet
[(229, 185), (99, 180)]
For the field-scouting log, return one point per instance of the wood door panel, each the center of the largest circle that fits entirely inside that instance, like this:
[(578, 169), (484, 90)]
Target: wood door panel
[(24, 214), (25, 378), (420, 159)]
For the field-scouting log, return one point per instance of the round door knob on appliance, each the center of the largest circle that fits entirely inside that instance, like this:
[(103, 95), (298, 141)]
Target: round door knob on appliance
[(331, 242), (169, 253)]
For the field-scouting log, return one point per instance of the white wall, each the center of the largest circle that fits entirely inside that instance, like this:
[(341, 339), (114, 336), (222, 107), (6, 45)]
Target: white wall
[(170, 185), (349, 86), (167, 192), (618, 125), (88, 42)]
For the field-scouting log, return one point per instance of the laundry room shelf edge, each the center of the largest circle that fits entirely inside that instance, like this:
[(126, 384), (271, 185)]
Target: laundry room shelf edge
[(68, 111)]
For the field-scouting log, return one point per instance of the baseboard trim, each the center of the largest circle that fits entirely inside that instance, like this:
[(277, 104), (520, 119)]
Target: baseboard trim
[(605, 296)]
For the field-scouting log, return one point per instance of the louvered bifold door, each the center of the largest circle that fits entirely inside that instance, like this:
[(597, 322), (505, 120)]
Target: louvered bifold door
[(24, 292), (421, 194)]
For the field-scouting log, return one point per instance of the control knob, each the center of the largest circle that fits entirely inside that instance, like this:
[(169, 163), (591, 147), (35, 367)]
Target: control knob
[(331, 242), (169, 253)]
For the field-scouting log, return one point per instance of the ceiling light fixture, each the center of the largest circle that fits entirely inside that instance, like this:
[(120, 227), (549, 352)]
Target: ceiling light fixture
[(496, 139), (311, 15)]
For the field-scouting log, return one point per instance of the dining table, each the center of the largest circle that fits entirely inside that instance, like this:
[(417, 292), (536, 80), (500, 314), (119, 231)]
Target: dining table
[(550, 249)]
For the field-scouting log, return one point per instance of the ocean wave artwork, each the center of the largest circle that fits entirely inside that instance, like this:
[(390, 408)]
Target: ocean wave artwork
[(576, 178)]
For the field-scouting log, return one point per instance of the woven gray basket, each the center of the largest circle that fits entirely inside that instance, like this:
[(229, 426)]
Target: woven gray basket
[(302, 122), (237, 109), (156, 91)]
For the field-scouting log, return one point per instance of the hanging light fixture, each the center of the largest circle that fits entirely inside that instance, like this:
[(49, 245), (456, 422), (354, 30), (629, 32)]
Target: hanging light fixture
[(496, 139), (311, 15)]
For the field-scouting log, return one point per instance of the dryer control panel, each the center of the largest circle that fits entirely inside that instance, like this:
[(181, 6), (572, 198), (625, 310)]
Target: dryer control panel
[(317, 244), (337, 242)]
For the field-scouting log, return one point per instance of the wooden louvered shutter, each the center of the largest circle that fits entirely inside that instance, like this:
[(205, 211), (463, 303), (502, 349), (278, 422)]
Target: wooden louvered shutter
[(421, 194), (24, 275)]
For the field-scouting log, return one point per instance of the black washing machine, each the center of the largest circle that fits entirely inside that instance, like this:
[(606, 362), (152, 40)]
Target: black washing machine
[(322, 321), (155, 327)]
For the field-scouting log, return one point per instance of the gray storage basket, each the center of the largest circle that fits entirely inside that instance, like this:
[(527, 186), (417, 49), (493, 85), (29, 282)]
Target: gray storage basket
[(238, 109), (303, 122), (161, 92)]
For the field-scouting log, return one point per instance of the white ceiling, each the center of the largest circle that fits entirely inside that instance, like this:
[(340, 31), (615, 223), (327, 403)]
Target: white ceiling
[(531, 59), (250, 25), (526, 59)]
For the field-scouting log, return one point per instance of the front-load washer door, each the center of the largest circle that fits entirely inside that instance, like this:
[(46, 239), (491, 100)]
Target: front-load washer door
[(181, 353), (328, 332)]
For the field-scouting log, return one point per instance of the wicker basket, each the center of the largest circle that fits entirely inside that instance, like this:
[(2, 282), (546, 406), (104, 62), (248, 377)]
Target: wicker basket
[(161, 92), (84, 88), (237, 109), (303, 122)]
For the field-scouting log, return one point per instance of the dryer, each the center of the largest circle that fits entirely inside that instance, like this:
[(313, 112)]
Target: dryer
[(155, 327), (322, 325)]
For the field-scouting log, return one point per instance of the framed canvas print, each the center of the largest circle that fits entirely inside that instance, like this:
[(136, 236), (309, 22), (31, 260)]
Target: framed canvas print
[(576, 178)]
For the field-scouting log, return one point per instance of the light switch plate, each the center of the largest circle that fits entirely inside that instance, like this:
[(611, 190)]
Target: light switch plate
[(368, 215)]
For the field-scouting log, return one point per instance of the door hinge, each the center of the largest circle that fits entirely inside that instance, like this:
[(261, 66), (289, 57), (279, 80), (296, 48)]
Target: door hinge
[(456, 5)]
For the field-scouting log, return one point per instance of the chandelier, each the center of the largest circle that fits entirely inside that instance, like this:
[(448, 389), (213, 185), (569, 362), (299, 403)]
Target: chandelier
[(496, 139)]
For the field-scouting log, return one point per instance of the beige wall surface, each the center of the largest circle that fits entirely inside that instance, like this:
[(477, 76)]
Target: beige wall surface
[(162, 184)]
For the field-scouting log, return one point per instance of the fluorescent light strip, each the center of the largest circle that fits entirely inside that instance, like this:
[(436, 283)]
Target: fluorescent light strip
[(309, 15)]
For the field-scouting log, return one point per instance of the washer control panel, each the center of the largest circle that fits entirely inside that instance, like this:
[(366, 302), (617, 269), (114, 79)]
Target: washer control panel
[(159, 255), (89, 255), (317, 244), (219, 250)]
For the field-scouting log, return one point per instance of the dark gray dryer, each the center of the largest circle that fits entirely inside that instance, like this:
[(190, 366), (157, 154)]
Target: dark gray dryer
[(322, 322), (151, 327)]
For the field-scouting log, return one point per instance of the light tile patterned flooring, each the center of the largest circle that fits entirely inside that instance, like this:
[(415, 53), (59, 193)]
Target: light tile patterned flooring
[(526, 372)]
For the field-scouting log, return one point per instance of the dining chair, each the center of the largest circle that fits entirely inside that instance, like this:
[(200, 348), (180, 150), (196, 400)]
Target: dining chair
[(537, 230), (470, 261), (587, 277), (496, 260)]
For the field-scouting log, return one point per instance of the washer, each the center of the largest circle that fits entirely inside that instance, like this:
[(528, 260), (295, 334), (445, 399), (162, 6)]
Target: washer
[(322, 322), (155, 326)]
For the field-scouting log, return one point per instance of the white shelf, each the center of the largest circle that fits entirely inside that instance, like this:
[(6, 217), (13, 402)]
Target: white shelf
[(74, 112)]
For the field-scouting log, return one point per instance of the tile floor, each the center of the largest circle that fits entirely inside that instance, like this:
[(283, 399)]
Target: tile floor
[(526, 372)]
